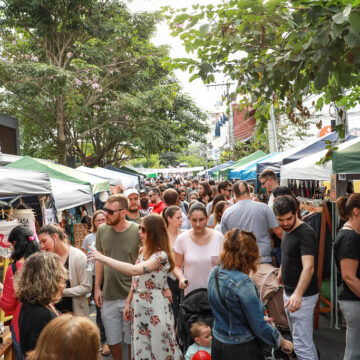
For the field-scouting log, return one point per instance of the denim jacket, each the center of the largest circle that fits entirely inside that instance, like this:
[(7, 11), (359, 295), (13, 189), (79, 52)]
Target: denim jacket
[(246, 318)]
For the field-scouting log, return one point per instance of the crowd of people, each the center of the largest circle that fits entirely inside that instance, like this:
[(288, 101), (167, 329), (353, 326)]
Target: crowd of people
[(150, 248)]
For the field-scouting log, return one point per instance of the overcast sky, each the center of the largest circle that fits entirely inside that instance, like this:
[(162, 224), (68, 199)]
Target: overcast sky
[(204, 96)]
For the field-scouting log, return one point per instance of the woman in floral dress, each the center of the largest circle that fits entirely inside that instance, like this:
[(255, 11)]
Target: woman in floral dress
[(152, 320)]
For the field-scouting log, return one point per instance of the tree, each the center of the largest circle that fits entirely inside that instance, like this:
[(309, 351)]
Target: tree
[(84, 79), (278, 52)]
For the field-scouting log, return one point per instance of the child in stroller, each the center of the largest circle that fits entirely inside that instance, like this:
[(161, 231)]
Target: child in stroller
[(194, 307)]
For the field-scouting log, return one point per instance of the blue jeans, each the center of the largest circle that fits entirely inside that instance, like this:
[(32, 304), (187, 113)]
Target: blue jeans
[(16, 346)]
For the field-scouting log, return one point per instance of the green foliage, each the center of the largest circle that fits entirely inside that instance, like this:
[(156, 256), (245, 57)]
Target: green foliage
[(151, 162), (277, 52), (242, 149), (83, 78)]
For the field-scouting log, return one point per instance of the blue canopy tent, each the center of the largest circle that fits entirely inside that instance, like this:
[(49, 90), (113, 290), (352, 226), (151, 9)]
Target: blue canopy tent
[(297, 153), (248, 171), (220, 166)]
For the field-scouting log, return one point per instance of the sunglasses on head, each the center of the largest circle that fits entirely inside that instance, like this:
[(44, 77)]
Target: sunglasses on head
[(111, 212), (142, 229)]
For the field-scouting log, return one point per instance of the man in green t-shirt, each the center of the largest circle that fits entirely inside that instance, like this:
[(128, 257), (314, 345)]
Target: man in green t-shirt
[(118, 239)]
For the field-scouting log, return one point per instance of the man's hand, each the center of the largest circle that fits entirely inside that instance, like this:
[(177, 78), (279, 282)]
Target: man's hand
[(126, 311), (287, 346), (294, 303), (98, 298)]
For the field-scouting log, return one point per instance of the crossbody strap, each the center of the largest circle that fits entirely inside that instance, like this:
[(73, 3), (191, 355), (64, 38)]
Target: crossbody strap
[(218, 290)]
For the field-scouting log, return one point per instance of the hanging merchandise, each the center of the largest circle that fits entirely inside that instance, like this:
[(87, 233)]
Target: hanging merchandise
[(26, 217), (5, 229)]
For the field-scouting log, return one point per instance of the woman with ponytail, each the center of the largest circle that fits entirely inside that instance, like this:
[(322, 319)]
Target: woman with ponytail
[(347, 256), (24, 245)]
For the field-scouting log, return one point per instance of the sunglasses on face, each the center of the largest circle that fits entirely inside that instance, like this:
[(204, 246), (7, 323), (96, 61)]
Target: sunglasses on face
[(111, 212), (142, 229)]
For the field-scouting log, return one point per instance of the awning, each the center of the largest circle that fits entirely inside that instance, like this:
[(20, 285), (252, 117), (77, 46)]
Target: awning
[(245, 160), (61, 172), (23, 182), (114, 177), (307, 169), (248, 171), (347, 161), (68, 195), (220, 166), (314, 147)]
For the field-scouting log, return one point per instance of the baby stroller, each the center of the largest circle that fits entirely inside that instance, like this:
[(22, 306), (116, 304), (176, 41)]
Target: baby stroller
[(271, 295), (194, 307)]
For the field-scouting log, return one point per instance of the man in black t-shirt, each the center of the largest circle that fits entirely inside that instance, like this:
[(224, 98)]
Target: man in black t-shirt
[(297, 273)]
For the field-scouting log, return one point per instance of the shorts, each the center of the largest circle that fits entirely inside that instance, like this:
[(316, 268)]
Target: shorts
[(117, 329)]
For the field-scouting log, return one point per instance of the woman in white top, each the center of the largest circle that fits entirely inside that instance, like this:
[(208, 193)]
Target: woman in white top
[(173, 220), (197, 251)]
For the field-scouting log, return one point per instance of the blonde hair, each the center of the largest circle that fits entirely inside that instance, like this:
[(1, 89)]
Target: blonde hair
[(67, 337), (196, 327), (40, 279)]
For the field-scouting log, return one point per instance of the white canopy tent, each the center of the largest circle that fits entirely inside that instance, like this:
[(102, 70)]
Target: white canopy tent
[(68, 195), (23, 182), (114, 177), (307, 169)]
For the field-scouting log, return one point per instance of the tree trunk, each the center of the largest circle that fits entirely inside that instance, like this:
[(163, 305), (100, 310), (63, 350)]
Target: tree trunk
[(61, 137)]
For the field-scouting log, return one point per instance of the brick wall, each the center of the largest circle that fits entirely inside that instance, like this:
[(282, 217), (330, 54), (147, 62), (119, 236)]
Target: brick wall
[(243, 129)]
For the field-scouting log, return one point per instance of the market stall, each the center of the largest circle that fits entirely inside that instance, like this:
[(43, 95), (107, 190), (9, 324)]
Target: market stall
[(304, 172), (243, 161), (296, 153), (18, 190), (308, 168), (248, 171), (61, 172), (114, 177), (214, 171)]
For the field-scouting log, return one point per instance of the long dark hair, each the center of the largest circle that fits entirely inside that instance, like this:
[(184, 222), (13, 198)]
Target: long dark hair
[(24, 242)]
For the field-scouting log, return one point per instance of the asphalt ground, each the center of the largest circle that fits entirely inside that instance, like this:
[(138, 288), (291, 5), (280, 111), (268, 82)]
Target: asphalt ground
[(330, 342)]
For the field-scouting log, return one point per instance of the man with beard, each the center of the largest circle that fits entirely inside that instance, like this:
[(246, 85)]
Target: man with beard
[(118, 239), (298, 252), (133, 214), (145, 206), (158, 204)]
